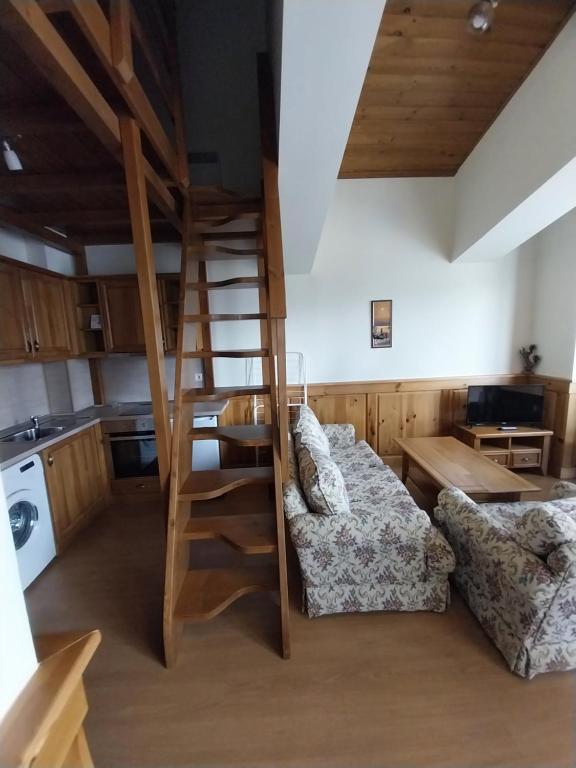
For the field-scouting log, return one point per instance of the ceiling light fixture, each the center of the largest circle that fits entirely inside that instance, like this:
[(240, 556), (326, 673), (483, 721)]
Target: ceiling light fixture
[(10, 157), (481, 16)]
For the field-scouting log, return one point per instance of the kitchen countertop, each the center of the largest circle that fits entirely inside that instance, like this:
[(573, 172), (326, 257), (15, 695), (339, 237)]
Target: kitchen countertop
[(11, 453)]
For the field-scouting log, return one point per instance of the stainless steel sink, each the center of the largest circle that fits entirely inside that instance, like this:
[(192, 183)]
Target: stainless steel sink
[(31, 435)]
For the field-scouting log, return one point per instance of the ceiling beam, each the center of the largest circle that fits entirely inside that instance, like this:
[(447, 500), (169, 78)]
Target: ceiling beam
[(27, 183), (25, 21), (38, 120), (15, 220), (88, 218)]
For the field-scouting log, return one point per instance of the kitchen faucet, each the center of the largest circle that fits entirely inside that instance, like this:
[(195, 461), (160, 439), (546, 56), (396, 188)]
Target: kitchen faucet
[(34, 420)]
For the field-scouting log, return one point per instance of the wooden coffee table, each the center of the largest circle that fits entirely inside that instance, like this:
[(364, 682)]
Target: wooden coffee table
[(445, 461)]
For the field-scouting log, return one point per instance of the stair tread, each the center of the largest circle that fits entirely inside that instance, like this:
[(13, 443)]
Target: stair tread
[(228, 353), (211, 318), (223, 252), (203, 394), (206, 593), (247, 435), (252, 534), (231, 283), (212, 483)]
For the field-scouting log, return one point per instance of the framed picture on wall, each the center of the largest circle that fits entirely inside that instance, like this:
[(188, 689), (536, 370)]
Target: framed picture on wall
[(381, 323)]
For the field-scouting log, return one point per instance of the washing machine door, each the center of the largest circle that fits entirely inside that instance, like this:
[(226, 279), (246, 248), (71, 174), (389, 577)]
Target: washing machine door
[(23, 518)]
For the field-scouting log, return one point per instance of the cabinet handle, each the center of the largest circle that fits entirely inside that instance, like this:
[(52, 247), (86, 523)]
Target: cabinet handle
[(140, 485), (36, 345), (50, 460), (28, 345)]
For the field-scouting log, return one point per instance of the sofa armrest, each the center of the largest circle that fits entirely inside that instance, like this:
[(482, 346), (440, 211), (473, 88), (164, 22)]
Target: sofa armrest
[(563, 490), (340, 435), (475, 537)]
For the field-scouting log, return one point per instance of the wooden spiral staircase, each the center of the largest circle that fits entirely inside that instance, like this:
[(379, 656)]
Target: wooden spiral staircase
[(240, 507)]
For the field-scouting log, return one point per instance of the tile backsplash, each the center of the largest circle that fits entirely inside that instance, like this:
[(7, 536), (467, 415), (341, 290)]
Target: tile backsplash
[(23, 393), (126, 378), (36, 389)]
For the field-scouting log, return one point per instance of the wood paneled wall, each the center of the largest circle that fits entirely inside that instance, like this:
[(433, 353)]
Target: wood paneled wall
[(381, 411)]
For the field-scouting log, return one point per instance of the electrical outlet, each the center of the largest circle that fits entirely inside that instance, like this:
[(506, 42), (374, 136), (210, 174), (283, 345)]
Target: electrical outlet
[(199, 378)]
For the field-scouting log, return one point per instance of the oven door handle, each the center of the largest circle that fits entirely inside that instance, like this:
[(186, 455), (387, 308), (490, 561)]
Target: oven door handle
[(129, 438)]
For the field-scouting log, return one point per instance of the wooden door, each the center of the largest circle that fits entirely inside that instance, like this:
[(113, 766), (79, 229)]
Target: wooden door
[(77, 482), (15, 342), (48, 302), (123, 327)]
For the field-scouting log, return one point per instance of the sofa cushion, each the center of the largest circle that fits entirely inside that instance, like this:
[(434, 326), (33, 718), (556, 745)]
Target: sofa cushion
[(322, 483), (544, 528), (355, 458), (308, 432)]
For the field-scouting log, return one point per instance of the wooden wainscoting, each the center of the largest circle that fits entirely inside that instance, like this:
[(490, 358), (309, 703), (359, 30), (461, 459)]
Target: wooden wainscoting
[(381, 411)]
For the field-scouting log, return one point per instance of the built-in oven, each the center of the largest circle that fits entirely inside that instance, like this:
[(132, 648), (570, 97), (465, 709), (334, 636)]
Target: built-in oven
[(131, 447)]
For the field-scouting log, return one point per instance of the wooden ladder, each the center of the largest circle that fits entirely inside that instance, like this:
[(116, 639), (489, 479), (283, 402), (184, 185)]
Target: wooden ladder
[(239, 506)]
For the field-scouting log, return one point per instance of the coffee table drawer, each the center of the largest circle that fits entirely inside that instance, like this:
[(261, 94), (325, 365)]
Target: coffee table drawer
[(526, 457), (497, 457)]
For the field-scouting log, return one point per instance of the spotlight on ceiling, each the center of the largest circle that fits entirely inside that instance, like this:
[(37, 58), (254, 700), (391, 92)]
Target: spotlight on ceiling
[(10, 157), (481, 16)]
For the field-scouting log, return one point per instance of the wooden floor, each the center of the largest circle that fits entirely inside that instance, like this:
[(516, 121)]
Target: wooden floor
[(387, 690)]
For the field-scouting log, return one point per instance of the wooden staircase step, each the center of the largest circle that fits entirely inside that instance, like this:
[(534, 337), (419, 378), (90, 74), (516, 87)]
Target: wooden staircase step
[(207, 394), (245, 435), (233, 282), (251, 534), (216, 482), (216, 318), (206, 593), (212, 234), (227, 353), (222, 252)]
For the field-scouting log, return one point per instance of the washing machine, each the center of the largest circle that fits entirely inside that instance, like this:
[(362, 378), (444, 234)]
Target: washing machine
[(29, 513)]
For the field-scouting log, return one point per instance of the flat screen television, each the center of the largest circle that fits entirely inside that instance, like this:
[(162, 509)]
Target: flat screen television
[(521, 405)]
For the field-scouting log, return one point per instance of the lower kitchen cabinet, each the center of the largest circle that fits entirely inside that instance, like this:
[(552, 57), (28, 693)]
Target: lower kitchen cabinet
[(77, 482)]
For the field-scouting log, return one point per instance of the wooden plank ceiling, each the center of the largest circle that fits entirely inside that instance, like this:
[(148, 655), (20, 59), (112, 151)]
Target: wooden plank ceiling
[(433, 88)]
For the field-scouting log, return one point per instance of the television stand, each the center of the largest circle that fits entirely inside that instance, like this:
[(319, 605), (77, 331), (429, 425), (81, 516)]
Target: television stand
[(523, 448)]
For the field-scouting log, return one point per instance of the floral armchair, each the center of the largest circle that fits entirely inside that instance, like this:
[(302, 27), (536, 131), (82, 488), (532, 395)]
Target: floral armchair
[(516, 568)]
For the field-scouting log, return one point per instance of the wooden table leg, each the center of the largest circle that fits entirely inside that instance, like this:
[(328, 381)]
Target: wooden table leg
[(405, 467)]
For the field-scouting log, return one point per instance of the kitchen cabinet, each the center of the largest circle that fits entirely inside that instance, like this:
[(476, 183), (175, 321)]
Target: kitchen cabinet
[(47, 304), (35, 315), (77, 482), (123, 327), (14, 340)]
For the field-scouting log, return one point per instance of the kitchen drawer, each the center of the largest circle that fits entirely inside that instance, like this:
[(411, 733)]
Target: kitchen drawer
[(526, 457), (137, 485), (498, 457)]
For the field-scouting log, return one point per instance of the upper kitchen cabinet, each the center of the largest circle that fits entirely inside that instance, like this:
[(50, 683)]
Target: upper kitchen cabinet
[(15, 342), (47, 301), (122, 316), (35, 309)]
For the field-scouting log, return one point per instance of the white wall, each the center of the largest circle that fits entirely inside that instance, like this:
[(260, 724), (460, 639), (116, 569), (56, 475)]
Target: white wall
[(554, 300), (387, 239), (120, 259), (522, 175), (17, 656), (126, 378), (17, 246), (326, 47)]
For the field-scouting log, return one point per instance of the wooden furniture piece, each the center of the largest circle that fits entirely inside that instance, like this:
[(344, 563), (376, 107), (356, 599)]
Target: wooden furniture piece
[(77, 482), (445, 462), (35, 315), (522, 448), (45, 726), (242, 507)]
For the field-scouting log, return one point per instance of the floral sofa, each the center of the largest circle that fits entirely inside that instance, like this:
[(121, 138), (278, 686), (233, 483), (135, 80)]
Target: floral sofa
[(516, 568), (377, 551)]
